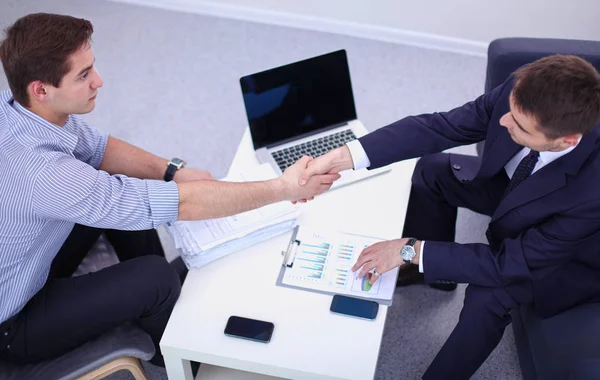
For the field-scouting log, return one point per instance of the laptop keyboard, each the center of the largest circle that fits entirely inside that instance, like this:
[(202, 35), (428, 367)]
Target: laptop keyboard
[(315, 148)]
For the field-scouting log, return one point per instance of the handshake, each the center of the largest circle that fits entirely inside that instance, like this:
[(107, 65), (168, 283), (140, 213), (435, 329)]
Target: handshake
[(310, 177)]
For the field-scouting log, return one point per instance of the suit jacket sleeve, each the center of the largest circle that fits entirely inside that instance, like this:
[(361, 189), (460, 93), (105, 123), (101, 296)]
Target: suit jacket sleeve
[(543, 248), (416, 136)]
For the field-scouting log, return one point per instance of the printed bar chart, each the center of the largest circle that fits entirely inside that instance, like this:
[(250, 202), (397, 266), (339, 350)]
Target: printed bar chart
[(345, 252), (341, 277), (311, 259)]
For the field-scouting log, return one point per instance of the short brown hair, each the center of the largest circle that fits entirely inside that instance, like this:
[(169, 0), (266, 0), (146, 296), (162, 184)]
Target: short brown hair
[(562, 92), (38, 46)]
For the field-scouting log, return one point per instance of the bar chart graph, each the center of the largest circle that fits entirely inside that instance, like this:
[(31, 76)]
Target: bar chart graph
[(345, 252), (311, 259), (340, 278)]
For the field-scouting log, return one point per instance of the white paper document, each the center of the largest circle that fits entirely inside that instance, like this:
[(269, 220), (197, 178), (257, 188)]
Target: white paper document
[(321, 261), (199, 260), (203, 241), (213, 232)]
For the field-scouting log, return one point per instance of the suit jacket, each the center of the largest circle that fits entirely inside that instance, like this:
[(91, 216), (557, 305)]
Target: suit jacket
[(547, 228)]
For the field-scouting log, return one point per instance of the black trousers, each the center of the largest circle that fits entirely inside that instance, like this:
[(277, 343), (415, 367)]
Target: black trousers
[(436, 194), (69, 311)]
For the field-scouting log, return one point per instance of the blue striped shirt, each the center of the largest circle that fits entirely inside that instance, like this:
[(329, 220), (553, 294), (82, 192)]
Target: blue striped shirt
[(49, 180)]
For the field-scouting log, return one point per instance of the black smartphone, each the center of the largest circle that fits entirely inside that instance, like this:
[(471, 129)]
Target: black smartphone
[(251, 329), (355, 307)]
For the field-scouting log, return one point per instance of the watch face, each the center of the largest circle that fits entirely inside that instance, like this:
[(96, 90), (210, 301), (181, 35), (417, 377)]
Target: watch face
[(408, 252), (178, 162)]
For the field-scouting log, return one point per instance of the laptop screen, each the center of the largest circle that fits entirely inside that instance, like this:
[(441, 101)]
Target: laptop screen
[(298, 99)]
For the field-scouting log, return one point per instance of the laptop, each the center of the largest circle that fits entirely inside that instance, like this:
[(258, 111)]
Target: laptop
[(303, 108)]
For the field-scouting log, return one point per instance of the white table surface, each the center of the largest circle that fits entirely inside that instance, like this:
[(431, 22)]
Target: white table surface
[(308, 341)]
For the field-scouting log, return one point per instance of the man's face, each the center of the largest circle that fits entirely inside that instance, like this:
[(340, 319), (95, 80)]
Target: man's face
[(76, 93), (525, 131)]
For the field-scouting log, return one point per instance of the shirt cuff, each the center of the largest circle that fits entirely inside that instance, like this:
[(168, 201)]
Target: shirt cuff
[(164, 201), (421, 257), (359, 156)]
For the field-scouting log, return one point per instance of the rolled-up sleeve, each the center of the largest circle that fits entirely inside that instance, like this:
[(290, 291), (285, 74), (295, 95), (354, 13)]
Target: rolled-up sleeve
[(164, 200), (68, 189)]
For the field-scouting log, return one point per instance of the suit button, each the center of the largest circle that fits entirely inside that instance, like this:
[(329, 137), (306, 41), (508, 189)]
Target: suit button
[(456, 167)]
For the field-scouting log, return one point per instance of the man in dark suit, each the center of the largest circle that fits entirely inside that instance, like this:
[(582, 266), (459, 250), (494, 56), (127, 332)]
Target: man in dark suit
[(538, 180)]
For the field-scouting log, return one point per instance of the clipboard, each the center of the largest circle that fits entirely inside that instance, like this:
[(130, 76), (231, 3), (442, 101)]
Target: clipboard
[(319, 261)]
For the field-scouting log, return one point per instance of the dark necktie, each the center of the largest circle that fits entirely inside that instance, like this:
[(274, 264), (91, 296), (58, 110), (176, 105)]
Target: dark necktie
[(523, 171)]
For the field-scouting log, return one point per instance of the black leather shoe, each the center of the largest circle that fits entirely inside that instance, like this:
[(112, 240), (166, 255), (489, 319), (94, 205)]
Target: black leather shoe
[(409, 274), (444, 285)]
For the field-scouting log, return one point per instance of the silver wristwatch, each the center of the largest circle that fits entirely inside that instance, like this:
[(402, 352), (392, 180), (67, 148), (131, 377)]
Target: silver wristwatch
[(408, 251)]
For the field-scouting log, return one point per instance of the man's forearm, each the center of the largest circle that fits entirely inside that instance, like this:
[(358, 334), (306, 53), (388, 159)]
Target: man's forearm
[(123, 158), (215, 199)]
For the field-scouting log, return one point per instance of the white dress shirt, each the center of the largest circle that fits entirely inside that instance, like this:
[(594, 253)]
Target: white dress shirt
[(360, 161)]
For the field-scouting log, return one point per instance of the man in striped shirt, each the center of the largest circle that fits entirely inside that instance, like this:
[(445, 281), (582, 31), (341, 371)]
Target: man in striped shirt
[(63, 183)]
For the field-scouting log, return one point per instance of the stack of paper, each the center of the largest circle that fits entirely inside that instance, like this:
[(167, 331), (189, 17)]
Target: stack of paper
[(201, 242)]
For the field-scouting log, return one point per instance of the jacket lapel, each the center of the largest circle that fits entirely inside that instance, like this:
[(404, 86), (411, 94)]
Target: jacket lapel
[(549, 178), (497, 155)]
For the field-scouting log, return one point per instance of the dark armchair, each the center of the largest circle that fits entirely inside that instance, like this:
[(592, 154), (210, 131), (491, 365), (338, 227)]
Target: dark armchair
[(567, 345)]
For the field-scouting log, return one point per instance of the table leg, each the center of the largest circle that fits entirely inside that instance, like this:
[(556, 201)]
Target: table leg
[(177, 368)]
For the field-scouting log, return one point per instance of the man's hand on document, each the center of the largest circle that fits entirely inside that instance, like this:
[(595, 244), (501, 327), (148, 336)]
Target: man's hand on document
[(379, 258), (317, 184)]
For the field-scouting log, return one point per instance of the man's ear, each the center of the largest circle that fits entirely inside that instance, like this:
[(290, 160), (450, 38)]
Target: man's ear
[(570, 140), (38, 90)]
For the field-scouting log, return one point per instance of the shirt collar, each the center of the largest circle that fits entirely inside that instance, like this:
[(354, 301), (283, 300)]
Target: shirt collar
[(69, 139), (547, 156)]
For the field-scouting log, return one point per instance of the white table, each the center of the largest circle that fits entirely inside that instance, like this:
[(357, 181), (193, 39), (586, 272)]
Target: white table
[(308, 341)]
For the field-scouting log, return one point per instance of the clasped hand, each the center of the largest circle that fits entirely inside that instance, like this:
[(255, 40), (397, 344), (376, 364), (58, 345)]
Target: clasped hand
[(315, 185), (330, 163)]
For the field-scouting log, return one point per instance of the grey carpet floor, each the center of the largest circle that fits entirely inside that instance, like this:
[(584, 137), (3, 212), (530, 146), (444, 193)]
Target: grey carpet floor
[(171, 87)]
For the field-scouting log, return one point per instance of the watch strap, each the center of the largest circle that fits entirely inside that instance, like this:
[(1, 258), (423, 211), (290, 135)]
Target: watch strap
[(172, 167), (170, 172)]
